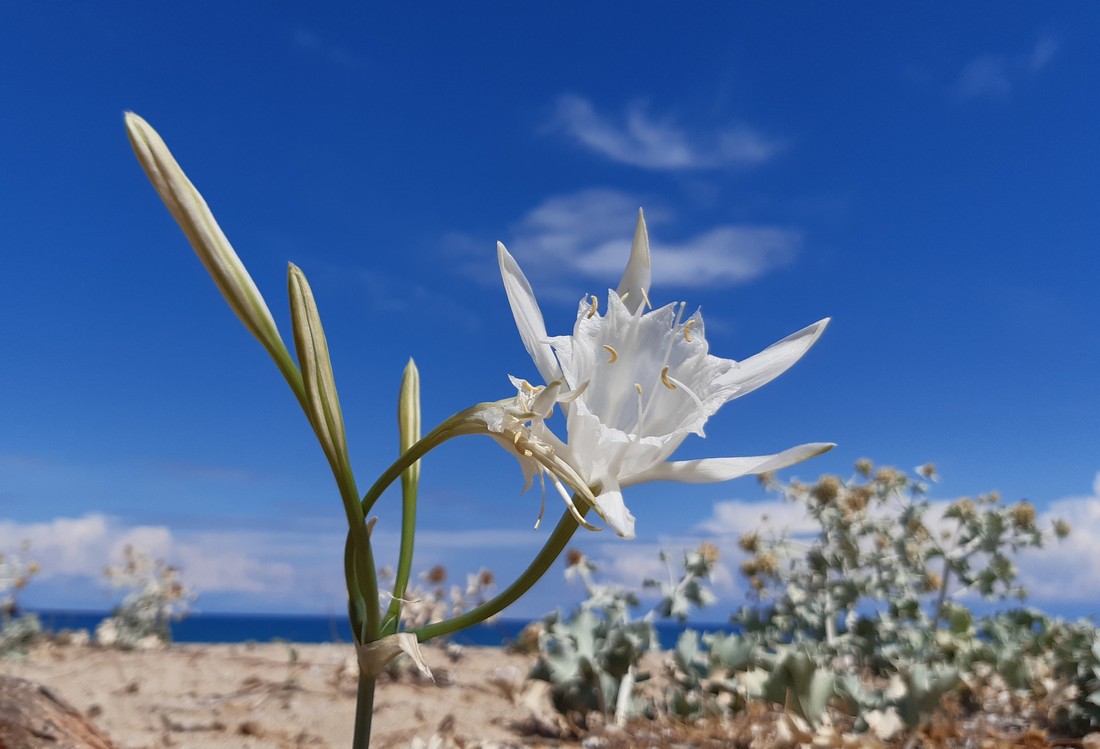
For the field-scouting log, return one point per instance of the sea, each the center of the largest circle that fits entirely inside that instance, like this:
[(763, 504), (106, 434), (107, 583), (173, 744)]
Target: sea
[(305, 628)]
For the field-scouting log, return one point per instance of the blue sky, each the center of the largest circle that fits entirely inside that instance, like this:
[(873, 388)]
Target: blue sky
[(925, 175)]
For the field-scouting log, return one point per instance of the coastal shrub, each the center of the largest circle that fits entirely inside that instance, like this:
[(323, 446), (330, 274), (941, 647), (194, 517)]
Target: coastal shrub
[(155, 596), (17, 630), (433, 600), (867, 614), (865, 618), (591, 658)]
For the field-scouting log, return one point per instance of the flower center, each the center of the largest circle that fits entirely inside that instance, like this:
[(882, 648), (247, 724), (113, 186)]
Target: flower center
[(637, 369)]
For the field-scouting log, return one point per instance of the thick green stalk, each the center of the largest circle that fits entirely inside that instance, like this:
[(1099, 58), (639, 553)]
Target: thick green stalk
[(364, 711), (550, 551)]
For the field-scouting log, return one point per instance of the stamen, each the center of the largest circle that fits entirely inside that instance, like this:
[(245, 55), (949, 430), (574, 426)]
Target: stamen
[(686, 389), (612, 352), (594, 308), (645, 298), (542, 504), (572, 508), (665, 380), (687, 329), (518, 438), (638, 387)]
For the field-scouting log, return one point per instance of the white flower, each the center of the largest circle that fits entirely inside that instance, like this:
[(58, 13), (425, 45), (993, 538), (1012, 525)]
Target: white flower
[(639, 382)]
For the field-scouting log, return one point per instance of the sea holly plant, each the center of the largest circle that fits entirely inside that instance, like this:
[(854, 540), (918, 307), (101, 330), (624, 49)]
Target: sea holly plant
[(17, 630), (633, 385), (155, 597)]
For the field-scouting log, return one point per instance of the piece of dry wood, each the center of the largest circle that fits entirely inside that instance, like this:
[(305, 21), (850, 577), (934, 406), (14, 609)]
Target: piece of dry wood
[(33, 717)]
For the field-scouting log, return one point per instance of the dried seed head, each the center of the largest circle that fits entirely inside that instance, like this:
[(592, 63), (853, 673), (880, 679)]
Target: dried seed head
[(1061, 528), (932, 582), (857, 498), (709, 553), (965, 508), (1023, 515), (928, 471), (436, 574), (827, 489), (749, 542), (573, 557), (887, 475), (864, 466)]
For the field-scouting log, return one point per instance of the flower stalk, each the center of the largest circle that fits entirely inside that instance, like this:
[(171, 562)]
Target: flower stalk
[(633, 384)]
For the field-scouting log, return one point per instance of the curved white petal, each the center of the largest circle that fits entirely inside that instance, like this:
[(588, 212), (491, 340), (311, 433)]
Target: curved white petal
[(773, 361), (532, 328), (637, 277), (711, 470), (612, 508)]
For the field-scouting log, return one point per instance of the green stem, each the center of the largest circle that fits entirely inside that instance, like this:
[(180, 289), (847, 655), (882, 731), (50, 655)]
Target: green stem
[(550, 551), (405, 555), (456, 426), (364, 711)]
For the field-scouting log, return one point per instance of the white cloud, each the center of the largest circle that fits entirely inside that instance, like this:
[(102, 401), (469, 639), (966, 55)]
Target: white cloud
[(733, 518), (995, 76), (588, 234), (1068, 571), (660, 143), (77, 550)]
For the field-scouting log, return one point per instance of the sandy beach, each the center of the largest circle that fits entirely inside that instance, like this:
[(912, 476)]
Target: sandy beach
[(277, 695), (283, 696)]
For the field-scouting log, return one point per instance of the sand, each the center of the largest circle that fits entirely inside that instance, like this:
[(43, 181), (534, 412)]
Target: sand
[(260, 696), (278, 695)]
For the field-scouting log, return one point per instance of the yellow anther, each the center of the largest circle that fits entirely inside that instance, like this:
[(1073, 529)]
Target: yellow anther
[(638, 387), (665, 381), (612, 353), (687, 329), (645, 298), (528, 454), (518, 437), (594, 308)]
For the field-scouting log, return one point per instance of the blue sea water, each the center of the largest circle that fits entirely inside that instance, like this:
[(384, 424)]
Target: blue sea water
[(226, 628)]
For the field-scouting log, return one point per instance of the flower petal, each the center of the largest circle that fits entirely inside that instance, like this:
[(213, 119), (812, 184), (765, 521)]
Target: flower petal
[(635, 284), (532, 328), (710, 470), (773, 361), (612, 508)]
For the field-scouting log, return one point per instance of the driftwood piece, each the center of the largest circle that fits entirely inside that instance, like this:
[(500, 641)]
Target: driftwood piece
[(33, 717)]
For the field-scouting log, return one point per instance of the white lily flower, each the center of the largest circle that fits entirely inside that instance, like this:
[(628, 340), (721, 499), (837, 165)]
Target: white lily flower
[(640, 382)]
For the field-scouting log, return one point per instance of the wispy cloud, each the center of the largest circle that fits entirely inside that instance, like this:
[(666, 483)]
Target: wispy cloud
[(317, 46), (660, 143), (587, 235), (996, 76)]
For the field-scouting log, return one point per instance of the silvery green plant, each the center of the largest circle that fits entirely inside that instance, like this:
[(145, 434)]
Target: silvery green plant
[(592, 657), (883, 577), (632, 384), (17, 630), (877, 593), (155, 597)]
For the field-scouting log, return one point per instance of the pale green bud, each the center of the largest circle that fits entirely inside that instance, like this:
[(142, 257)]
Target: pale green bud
[(322, 403), (192, 214)]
